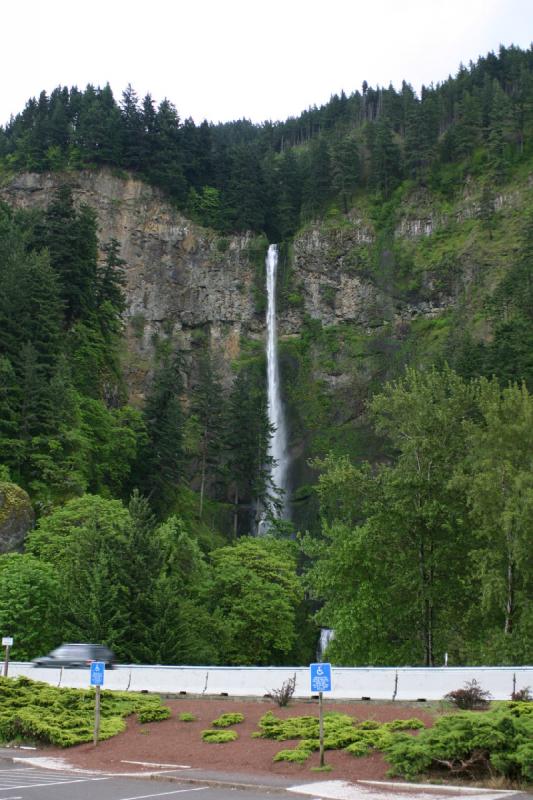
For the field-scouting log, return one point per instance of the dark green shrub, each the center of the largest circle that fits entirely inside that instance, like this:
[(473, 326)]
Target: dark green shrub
[(357, 749), (471, 744)]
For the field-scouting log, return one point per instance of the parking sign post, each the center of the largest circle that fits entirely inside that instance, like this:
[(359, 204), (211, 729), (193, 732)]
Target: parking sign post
[(7, 642), (320, 675), (97, 680)]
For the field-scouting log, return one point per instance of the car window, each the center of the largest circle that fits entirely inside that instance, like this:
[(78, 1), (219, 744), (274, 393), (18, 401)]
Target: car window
[(70, 651)]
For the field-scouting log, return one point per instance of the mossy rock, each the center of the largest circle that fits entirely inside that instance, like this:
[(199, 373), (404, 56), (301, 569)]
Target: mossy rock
[(16, 517)]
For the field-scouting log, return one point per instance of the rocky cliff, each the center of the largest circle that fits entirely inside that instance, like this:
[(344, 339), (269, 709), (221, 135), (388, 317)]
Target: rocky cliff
[(192, 283), (180, 278)]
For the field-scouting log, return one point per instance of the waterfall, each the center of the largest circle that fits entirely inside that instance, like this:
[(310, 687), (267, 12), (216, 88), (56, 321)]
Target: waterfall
[(326, 635), (278, 442)]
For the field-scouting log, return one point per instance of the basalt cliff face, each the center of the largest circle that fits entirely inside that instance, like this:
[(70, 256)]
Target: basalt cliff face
[(181, 278), (194, 284)]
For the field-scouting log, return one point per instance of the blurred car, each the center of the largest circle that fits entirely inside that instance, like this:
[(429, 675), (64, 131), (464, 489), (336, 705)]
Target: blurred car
[(76, 655)]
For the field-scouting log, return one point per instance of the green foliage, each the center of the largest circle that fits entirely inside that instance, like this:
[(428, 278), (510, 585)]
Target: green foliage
[(29, 598), (38, 713), (161, 460), (253, 598), (297, 756), (341, 732), (451, 486), (154, 714), (186, 716), (225, 720), (219, 737), (471, 744)]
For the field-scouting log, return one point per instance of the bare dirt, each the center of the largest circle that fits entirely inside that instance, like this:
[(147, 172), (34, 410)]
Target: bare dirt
[(175, 742)]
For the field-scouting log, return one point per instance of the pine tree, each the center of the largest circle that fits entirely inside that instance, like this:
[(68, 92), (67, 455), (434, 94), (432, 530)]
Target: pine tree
[(162, 460), (209, 412), (248, 435), (141, 566)]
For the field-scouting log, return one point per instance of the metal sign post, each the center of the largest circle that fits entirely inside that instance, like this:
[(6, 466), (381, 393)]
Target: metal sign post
[(97, 680), (320, 675), (7, 642)]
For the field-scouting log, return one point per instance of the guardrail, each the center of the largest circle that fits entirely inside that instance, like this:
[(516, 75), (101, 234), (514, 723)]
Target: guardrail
[(349, 683)]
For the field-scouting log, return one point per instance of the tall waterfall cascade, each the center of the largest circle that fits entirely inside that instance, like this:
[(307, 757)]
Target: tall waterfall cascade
[(278, 449)]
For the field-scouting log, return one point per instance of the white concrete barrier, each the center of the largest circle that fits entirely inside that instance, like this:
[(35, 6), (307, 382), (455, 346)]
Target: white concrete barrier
[(348, 683)]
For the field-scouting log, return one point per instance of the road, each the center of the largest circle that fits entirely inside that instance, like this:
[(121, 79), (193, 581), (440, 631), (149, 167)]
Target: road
[(19, 782)]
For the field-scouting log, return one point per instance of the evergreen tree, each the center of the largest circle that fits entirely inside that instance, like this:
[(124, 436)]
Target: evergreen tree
[(209, 413), (161, 460), (140, 569), (248, 435)]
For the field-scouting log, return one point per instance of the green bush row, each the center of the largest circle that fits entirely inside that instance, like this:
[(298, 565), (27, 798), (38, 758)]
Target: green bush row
[(469, 744)]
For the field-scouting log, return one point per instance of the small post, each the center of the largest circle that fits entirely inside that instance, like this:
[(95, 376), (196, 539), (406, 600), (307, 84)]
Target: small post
[(445, 659), (96, 714), (7, 641), (97, 680), (395, 692), (321, 727)]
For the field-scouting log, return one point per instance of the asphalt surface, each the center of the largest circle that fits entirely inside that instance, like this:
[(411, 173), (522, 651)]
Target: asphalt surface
[(27, 775)]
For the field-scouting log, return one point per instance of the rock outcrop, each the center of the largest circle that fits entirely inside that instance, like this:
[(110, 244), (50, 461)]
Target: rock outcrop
[(16, 517)]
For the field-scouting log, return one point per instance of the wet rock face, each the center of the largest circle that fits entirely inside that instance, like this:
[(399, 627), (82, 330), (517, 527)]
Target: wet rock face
[(16, 517)]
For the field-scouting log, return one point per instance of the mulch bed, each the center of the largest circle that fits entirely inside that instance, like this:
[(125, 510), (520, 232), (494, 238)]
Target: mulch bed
[(175, 742)]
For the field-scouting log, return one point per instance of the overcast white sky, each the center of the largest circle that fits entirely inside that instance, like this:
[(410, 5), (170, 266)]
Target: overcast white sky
[(228, 59)]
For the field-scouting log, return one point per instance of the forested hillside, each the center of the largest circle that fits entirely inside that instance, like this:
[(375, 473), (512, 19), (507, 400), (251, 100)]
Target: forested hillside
[(405, 303)]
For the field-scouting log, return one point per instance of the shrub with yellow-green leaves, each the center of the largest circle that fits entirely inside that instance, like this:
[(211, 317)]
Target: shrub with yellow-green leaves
[(218, 736), (31, 711), (340, 732), (225, 720)]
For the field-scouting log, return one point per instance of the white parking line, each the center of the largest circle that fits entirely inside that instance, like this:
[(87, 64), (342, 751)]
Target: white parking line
[(163, 794), (154, 764), (49, 783)]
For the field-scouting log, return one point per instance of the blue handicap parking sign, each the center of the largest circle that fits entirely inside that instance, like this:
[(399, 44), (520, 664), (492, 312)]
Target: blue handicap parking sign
[(97, 673), (320, 677)]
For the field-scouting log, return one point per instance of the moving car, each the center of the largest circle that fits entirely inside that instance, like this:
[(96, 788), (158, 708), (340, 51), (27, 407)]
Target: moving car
[(76, 655)]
